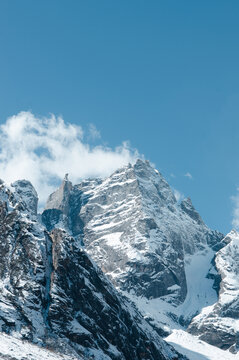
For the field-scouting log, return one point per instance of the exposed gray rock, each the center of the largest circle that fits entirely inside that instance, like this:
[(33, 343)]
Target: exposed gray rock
[(53, 295), (60, 198), (133, 228), (218, 325), (188, 208), (25, 192)]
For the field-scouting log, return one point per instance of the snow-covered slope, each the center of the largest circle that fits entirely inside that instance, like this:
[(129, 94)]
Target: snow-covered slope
[(219, 323), (200, 294), (196, 349), (51, 294), (12, 348), (132, 226), (159, 253)]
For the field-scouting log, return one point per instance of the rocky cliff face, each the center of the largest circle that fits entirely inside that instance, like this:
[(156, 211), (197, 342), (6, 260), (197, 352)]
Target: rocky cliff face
[(51, 293), (157, 252), (219, 323), (132, 226)]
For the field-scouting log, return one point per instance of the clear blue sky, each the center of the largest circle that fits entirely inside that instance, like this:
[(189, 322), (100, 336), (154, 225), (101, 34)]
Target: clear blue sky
[(162, 74)]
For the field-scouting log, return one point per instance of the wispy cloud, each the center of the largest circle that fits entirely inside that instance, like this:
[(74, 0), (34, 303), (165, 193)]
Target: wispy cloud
[(94, 133), (178, 195), (42, 150), (188, 175)]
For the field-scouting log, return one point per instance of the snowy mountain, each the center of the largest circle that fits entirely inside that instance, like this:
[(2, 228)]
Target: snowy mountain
[(157, 252), (132, 226), (157, 256), (53, 296)]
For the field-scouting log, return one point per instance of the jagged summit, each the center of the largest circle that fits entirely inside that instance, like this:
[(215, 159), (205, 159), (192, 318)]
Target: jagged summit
[(58, 199), (141, 171), (24, 191), (20, 196), (152, 181), (132, 226), (52, 295), (232, 235), (158, 252)]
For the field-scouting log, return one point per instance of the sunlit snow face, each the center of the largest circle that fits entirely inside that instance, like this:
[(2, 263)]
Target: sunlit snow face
[(43, 150)]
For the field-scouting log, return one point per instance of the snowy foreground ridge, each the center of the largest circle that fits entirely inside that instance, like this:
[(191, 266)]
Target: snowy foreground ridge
[(12, 348), (196, 349), (115, 269)]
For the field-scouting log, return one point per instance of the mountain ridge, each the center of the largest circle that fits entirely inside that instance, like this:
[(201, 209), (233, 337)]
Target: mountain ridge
[(157, 253), (147, 243), (54, 296)]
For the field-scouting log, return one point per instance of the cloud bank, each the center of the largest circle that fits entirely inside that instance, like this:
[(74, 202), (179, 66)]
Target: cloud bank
[(43, 150)]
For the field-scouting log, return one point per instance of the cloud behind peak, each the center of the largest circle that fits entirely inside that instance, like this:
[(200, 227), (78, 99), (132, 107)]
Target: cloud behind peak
[(44, 149)]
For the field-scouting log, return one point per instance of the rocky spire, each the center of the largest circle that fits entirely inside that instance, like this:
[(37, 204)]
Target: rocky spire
[(60, 198)]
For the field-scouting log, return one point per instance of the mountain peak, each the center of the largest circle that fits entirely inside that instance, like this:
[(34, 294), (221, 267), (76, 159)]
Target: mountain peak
[(232, 235), (143, 165), (66, 178), (25, 191), (153, 184), (59, 198)]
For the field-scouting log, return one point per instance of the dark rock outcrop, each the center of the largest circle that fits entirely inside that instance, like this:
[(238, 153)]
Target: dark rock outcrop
[(218, 325), (53, 295), (132, 226)]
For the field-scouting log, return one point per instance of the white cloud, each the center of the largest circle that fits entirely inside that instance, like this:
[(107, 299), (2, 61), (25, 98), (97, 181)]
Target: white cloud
[(235, 213), (178, 195), (94, 133), (43, 150), (188, 175)]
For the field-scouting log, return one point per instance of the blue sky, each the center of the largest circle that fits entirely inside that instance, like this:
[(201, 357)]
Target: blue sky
[(161, 74)]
